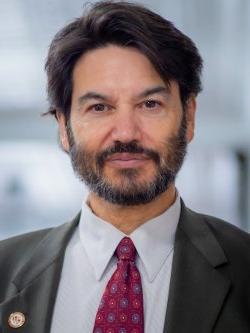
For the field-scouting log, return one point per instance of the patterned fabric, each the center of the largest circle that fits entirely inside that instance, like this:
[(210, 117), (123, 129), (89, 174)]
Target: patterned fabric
[(121, 307)]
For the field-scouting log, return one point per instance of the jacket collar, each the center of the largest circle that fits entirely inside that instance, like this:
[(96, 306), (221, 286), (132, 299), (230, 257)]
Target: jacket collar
[(35, 286), (197, 288), (51, 247)]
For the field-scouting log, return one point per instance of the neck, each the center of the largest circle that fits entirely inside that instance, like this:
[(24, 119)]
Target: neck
[(129, 218)]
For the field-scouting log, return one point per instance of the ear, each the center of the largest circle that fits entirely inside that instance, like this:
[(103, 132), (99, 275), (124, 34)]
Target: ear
[(63, 136), (190, 117)]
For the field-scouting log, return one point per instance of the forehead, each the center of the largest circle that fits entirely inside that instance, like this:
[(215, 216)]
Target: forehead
[(115, 68)]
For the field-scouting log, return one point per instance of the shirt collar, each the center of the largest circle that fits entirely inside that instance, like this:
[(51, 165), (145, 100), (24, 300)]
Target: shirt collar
[(154, 240), (100, 239)]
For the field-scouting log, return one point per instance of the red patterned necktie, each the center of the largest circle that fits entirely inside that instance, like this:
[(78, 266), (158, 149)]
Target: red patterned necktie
[(121, 307)]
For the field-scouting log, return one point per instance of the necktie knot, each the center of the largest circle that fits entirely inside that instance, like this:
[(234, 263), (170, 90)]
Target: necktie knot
[(126, 250)]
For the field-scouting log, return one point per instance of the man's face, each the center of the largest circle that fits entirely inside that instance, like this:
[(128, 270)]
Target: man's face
[(127, 132)]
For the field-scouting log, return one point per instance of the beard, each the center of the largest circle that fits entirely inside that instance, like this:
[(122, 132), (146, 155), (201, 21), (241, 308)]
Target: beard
[(130, 191)]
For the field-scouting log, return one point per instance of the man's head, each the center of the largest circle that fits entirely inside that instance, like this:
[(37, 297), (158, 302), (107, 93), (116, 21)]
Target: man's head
[(122, 83)]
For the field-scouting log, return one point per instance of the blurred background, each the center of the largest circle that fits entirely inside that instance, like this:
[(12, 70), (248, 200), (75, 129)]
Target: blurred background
[(37, 186)]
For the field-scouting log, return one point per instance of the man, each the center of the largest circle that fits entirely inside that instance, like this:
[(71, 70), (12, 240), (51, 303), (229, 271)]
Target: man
[(122, 84)]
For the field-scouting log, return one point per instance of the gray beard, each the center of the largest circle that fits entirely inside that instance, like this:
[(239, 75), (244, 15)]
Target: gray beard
[(130, 192)]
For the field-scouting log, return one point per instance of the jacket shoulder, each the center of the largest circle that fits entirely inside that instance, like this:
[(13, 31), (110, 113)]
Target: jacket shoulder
[(24, 242), (15, 251), (234, 241), (24, 257), (227, 231)]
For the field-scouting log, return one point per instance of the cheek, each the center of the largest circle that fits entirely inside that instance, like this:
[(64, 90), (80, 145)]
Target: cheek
[(156, 133), (89, 134)]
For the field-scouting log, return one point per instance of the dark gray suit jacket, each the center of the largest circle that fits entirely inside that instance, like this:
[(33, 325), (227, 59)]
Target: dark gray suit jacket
[(209, 289)]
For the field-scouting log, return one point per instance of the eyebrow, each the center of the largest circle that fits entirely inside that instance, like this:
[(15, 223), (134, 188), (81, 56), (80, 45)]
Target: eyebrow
[(91, 95), (154, 90), (95, 95)]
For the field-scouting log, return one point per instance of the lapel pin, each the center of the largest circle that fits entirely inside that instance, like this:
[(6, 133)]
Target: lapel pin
[(16, 319)]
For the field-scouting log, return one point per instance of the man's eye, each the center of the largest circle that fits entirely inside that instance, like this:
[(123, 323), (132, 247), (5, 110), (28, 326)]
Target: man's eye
[(99, 107), (151, 104)]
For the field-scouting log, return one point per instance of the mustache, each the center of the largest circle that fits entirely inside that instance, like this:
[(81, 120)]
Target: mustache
[(129, 147)]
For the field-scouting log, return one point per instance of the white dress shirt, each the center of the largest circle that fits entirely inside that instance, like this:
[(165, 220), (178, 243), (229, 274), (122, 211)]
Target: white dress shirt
[(90, 262)]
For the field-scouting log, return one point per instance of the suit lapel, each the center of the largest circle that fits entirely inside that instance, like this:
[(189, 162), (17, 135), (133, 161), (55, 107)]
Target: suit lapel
[(197, 289), (36, 284)]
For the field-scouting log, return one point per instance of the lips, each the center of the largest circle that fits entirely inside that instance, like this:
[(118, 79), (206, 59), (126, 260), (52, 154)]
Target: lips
[(127, 160), (127, 157)]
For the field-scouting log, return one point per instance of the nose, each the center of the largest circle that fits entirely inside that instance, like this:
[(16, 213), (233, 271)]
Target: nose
[(126, 127)]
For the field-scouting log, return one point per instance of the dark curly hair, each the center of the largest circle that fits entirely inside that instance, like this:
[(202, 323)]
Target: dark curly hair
[(126, 24)]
